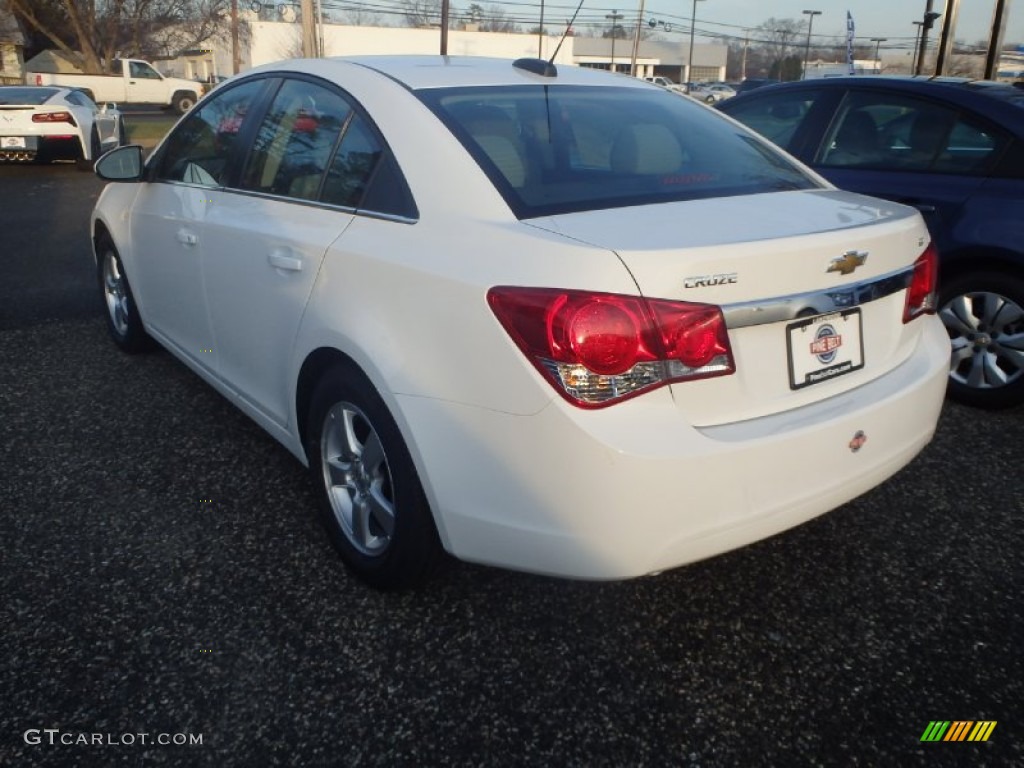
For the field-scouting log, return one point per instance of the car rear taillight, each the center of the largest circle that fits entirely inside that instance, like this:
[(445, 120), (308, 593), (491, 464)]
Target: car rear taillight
[(921, 293), (599, 348), (53, 117)]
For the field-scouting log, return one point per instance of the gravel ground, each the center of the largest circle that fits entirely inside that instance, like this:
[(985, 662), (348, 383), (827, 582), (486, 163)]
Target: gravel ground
[(163, 573)]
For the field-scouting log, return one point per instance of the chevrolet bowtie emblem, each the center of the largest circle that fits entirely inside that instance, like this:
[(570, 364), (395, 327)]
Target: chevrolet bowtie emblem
[(848, 262)]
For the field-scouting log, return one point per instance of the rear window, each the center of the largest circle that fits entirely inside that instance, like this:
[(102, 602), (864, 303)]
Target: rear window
[(558, 149), (33, 96)]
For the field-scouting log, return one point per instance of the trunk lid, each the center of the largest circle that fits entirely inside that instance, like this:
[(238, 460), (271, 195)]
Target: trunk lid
[(773, 262)]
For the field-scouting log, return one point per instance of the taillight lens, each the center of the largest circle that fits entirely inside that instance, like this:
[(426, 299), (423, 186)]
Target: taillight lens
[(921, 293), (600, 348), (53, 117)]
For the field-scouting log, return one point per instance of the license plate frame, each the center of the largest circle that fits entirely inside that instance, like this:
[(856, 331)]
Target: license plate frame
[(824, 347), (13, 142)]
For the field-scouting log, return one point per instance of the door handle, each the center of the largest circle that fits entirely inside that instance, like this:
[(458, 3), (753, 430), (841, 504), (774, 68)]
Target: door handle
[(186, 238), (281, 260)]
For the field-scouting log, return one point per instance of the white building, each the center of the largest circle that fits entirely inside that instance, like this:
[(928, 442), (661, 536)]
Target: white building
[(264, 42)]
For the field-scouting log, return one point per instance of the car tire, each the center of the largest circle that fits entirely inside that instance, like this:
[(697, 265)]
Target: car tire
[(984, 315), (122, 133), (123, 320), (372, 502), (86, 164), (183, 101)]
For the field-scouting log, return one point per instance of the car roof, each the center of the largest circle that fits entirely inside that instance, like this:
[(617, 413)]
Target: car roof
[(422, 71)]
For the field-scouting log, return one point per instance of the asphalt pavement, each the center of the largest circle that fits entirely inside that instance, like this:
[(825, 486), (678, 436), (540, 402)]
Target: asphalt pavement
[(162, 573)]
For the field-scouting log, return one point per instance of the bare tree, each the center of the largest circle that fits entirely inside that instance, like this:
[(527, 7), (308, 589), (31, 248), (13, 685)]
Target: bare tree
[(93, 32), (422, 13), (776, 38)]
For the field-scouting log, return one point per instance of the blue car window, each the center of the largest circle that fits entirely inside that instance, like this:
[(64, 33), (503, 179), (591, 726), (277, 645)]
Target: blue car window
[(892, 131)]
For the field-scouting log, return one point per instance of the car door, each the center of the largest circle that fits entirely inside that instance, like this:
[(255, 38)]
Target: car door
[(145, 85), (913, 150), (267, 238), (168, 220)]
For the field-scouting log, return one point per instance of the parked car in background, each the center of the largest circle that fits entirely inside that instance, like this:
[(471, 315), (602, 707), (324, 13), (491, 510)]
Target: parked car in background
[(549, 319), (952, 148), (130, 81), (46, 123), (722, 91)]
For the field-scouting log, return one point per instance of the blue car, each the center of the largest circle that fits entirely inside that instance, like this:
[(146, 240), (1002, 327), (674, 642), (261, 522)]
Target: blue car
[(952, 148)]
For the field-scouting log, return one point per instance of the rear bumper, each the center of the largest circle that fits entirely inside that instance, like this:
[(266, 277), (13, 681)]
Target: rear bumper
[(634, 489)]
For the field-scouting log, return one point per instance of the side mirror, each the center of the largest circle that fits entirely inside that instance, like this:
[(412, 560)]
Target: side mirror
[(121, 164)]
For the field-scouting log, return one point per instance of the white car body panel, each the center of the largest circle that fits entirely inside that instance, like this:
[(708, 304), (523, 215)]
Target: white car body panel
[(515, 475)]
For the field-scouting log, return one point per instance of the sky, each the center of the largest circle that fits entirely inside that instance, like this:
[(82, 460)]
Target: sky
[(892, 19)]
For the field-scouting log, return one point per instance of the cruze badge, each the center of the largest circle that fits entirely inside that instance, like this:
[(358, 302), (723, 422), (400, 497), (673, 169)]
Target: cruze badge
[(707, 281), (848, 262)]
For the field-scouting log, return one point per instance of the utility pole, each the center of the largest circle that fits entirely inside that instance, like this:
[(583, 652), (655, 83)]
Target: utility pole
[(308, 30), (878, 62), (807, 48), (917, 42), (614, 16), (946, 37), (445, 9), (636, 40), (689, 60), (995, 38), (743, 61), (929, 19), (236, 55)]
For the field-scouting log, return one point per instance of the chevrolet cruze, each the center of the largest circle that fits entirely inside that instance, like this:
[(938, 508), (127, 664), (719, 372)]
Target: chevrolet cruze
[(546, 319)]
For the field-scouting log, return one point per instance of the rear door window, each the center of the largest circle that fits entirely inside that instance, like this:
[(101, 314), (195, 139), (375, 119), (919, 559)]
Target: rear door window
[(893, 131)]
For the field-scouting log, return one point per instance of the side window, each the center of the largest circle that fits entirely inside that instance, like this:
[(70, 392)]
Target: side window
[(778, 117), (294, 142), (142, 71), (893, 131), (199, 148), (353, 165)]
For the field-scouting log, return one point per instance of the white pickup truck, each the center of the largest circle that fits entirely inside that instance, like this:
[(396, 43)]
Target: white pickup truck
[(131, 82)]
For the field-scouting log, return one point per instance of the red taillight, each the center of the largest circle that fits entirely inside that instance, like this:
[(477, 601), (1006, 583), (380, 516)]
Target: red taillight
[(53, 117), (599, 348), (921, 293)]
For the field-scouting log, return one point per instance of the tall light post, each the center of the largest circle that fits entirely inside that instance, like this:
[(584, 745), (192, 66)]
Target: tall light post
[(807, 47), (878, 41), (917, 38), (614, 16), (689, 61)]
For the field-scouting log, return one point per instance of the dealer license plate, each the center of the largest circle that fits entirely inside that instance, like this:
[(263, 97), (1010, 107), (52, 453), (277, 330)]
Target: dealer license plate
[(12, 142), (824, 347)]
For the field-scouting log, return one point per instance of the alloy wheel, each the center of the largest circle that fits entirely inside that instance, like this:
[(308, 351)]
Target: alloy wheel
[(357, 478), (986, 330)]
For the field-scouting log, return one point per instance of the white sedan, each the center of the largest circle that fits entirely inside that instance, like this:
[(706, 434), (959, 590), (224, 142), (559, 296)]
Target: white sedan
[(551, 320), (44, 123)]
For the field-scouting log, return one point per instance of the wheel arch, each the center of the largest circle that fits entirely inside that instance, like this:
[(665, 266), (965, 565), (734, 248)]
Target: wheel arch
[(314, 366)]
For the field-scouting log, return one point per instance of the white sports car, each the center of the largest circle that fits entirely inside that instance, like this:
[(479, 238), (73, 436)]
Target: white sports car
[(44, 123), (548, 319)]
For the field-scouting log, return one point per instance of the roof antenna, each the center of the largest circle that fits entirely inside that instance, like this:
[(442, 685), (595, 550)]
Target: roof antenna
[(546, 68), (565, 34)]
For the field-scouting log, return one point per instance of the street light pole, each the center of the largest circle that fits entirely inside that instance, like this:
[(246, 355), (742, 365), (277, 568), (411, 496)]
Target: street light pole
[(614, 16), (917, 38), (878, 41), (689, 61), (807, 48)]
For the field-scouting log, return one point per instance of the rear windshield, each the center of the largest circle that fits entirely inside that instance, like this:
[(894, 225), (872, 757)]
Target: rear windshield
[(557, 149), (25, 95)]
